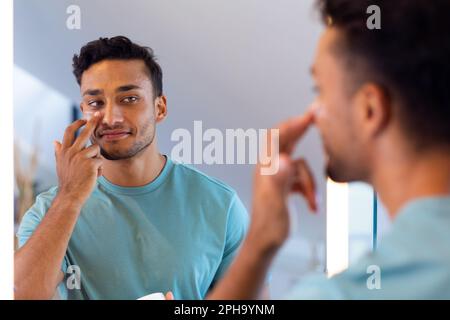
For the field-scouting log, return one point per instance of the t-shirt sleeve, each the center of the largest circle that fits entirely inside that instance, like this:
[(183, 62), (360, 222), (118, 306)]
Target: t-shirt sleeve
[(237, 226), (33, 217)]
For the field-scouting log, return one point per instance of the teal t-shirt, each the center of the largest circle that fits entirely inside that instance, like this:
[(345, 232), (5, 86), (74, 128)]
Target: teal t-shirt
[(411, 262), (178, 233)]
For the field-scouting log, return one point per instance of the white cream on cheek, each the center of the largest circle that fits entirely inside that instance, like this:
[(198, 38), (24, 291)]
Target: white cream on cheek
[(87, 115)]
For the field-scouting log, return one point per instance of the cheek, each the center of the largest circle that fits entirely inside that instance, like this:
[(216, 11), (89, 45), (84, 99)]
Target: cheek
[(140, 118), (322, 116), (146, 128), (332, 126)]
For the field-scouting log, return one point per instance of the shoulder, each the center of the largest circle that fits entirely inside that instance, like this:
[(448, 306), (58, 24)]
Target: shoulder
[(198, 180), (43, 202), (48, 195), (35, 214), (214, 195)]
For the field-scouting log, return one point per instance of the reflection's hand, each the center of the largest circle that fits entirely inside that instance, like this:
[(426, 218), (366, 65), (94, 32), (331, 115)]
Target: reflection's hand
[(78, 167)]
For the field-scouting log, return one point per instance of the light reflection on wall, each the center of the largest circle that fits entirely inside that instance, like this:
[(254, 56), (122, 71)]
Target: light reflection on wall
[(41, 115)]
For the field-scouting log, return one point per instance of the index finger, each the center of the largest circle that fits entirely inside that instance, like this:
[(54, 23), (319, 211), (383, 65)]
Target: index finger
[(69, 134), (80, 142), (293, 129)]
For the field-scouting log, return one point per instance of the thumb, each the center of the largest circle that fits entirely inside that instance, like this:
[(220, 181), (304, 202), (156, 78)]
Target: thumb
[(285, 170), (284, 165), (169, 296), (279, 182), (57, 145)]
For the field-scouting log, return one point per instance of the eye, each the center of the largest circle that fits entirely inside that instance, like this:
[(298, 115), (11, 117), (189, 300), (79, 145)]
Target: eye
[(95, 103), (131, 99)]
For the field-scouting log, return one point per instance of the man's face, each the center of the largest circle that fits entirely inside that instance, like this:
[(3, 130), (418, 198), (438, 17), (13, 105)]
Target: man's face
[(336, 113), (122, 92)]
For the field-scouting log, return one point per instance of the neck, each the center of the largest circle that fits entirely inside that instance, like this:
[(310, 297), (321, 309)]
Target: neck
[(137, 171), (401, 177)]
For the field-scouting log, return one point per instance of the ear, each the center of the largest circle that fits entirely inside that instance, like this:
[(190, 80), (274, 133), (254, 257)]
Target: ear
[(81, 107), (161, 108), (373, 110)]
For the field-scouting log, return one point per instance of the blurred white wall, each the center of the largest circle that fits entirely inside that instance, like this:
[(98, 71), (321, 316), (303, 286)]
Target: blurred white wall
[(41, 115)]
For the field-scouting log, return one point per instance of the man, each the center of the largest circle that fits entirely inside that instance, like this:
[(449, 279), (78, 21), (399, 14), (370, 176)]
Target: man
[(383, 109), (124, 221)]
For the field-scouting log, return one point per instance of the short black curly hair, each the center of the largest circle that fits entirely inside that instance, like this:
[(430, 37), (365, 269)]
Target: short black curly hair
[(409, 57), (120, 48)]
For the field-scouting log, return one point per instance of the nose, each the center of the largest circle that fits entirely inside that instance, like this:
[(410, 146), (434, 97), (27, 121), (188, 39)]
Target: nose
[(112, 114)]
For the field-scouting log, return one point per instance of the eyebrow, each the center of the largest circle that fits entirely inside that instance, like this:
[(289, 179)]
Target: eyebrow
[(92, 92), (127, 87), (96, 92)]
